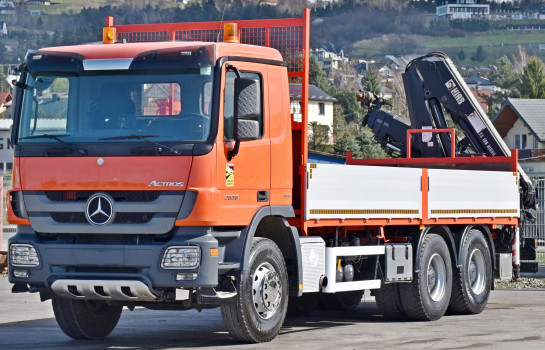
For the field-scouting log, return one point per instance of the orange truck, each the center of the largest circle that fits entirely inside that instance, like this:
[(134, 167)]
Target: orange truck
[(162, 168)]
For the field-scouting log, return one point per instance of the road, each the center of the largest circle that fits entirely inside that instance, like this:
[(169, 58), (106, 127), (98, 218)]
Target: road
[(513, 319)]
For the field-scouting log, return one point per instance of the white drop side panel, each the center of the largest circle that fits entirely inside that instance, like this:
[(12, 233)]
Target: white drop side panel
[(473, 194), (338, 191)]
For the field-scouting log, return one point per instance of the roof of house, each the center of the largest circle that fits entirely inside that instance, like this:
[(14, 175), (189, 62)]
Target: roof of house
[(5, 97), (330, 47), (476, 79), (314, 93), (530, 111)]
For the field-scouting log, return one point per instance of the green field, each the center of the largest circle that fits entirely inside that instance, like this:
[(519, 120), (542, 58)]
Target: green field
[(487, 40), (495, 44), (74, 6)]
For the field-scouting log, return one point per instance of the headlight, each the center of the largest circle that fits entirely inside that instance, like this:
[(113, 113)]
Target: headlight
[(23, 255), (181, 257)]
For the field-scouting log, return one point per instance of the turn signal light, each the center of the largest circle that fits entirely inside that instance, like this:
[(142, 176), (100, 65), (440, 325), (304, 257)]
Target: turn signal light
[(109, 35), (230, 33)]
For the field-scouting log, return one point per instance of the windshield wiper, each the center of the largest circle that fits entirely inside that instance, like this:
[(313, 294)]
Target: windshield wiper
[(142, 137), (56, 137)]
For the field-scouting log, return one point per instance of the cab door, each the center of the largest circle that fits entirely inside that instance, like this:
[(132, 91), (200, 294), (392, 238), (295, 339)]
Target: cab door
[(245, 180)]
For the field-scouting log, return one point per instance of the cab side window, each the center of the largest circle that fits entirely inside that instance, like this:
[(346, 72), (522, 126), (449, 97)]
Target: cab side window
[(229, 104)]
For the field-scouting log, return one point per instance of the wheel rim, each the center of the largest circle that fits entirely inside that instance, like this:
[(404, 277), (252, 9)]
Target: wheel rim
[(266, 290), (476, 271), (436, 277)]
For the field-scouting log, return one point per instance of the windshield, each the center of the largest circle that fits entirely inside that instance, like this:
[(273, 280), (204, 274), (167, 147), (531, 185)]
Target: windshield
[(93, 107)]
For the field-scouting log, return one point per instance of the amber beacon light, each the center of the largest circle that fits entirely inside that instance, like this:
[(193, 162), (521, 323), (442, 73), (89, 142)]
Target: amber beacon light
[(230, 33), (109, 35)]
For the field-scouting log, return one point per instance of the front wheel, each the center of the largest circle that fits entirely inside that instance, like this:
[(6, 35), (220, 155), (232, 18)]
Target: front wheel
[(262, 300), (472, 282), (86, 319)]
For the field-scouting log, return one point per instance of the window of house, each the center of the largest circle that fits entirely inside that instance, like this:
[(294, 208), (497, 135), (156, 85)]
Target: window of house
[(229, 104), (521, 141), (321, 106)]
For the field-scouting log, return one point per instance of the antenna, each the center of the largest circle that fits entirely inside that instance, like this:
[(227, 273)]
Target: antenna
[(221, 23)]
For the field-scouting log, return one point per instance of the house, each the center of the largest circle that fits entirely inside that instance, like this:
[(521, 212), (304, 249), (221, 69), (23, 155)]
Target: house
[(320, 107), (521, 124), (482, 96), (5, 102), (3, 29), (330, 57), (7, 7), (479, 83), (394, 67), (6, 147), (461, 9)]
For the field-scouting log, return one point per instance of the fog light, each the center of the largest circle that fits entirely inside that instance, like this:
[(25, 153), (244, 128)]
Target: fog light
[(23, 255), (181, 257), (20, 273), (186, 276)]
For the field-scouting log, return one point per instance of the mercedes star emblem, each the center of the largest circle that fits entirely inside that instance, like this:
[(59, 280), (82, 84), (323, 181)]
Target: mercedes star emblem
[(99, 209)]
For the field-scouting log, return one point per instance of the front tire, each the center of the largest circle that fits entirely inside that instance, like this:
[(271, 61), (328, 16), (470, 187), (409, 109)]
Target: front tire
[(262, 300), (427, 297), (86, 319), (472, 282)]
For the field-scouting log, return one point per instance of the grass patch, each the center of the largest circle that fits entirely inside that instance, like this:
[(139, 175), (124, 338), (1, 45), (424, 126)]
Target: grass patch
[(486, 40), (74, 6)]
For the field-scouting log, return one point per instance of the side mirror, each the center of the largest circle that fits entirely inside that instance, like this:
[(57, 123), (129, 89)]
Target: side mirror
[(247, 109)]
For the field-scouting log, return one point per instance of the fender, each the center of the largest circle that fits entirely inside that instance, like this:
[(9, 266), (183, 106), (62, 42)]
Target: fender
[(443, 231), (291, 245)]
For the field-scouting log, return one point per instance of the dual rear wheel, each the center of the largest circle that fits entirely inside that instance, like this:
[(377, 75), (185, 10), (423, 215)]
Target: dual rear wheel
[(437, 287)]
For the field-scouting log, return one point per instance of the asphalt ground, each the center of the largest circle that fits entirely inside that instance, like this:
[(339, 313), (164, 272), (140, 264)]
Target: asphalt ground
[(513, 319)]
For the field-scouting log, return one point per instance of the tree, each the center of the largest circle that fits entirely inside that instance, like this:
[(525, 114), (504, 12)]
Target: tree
[(507, 80), (371, 81), (348, 143), (4, 86), (533, 79), (318, 137), (462, 55), (317, 76), (369, 148), (479, 55)]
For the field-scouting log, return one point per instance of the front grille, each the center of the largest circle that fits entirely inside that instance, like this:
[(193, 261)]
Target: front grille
[(106, 239), (120, 218), (118, 196)]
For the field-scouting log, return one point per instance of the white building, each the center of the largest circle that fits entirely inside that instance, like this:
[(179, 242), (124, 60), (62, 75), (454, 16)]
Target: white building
[(330, 57), (462, 9), (3, 29), (520, 123), (6, 148), (320, 107)]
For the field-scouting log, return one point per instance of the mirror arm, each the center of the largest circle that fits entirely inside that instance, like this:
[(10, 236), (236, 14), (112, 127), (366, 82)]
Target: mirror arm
[(232, 153), (234, 69)]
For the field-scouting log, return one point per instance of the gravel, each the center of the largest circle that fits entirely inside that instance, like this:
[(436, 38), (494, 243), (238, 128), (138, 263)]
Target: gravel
[(524, 283)]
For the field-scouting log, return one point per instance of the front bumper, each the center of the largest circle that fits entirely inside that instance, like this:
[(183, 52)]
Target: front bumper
[(138, 261)]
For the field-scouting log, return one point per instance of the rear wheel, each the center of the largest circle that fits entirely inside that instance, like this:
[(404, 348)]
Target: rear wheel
[(86, 319), (427, 297), (472, 282), (262, 301)]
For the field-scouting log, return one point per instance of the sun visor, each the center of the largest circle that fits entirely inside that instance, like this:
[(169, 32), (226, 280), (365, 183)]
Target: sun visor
[(176, 58)]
